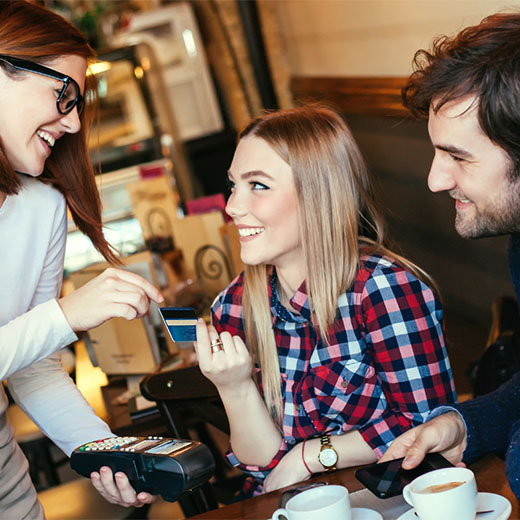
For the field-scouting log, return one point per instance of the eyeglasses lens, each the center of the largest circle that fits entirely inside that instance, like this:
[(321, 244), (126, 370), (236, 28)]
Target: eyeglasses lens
[(70, 98)]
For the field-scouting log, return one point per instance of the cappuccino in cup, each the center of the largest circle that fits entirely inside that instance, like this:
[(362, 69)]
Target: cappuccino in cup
[(449, 493), (439, 488)]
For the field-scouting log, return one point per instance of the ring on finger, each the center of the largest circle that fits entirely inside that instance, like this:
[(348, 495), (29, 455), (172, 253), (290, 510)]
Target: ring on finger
[(216, 345)]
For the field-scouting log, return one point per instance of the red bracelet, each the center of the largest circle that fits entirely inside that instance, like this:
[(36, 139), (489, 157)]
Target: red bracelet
[(303, 457)]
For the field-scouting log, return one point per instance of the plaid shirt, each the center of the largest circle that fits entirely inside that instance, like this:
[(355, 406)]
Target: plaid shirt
[(385, 366)]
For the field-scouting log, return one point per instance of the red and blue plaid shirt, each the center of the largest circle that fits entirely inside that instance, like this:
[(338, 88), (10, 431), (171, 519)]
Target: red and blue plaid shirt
[(385, 366)]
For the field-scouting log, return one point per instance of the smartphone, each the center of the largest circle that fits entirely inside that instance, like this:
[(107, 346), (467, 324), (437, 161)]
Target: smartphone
[(388, 479), (180, 323)]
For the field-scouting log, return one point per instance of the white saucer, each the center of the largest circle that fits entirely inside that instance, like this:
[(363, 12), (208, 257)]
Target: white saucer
[(500, 505), (362, 513)]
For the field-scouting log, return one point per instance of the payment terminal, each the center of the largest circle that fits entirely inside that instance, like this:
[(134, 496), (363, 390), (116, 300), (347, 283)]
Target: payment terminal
[(158, 465)]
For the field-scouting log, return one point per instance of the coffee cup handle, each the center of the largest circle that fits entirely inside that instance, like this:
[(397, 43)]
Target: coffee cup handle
[(407, 495), (279, 512)]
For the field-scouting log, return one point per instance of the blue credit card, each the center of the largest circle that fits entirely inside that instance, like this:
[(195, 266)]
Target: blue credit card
[(180, 322)]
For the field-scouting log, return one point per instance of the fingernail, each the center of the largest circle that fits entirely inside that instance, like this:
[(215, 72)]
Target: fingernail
[(408, 460), (200, 321)]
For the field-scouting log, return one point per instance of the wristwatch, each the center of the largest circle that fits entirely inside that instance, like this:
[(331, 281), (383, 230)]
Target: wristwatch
[(328, 456)]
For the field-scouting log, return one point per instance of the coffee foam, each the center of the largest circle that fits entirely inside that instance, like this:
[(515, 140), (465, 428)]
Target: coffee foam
[(439, 488)]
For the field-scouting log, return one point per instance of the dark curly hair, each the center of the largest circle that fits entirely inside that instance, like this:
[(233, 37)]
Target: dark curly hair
[(482, 60)]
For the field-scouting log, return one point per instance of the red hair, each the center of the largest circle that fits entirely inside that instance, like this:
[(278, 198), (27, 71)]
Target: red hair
[(32, 32)]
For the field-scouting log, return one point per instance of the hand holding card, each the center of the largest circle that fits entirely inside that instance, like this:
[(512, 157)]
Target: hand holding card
[(180, 322)]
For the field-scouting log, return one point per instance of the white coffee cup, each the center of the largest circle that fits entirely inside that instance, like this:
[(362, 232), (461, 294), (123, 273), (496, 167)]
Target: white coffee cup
[(326, 502), (444, 493)]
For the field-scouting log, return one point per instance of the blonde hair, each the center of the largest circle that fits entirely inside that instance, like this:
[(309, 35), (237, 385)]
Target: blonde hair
[(340, 216)]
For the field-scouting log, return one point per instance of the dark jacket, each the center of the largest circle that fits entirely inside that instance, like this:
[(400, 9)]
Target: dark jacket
[(493, 420)]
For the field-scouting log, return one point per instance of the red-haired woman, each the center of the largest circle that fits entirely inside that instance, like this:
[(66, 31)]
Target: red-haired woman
[(44, 166)]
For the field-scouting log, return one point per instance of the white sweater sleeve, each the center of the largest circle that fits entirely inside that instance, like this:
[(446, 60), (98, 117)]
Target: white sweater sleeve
[(33, 231), (50, 398), (33, 225), (33, 336)]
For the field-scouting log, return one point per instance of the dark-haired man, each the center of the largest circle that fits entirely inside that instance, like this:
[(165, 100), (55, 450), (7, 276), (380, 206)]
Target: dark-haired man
[(468, 87)]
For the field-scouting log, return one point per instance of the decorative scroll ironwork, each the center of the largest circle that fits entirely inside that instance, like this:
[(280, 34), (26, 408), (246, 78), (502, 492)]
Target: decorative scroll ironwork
[(215, 267), (160, 230)]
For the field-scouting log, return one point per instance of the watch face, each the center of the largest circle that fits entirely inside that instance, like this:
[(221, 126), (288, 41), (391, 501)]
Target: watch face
[(328, 457)]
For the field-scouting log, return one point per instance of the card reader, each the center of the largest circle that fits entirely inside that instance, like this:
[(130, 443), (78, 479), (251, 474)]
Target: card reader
[(158, 465)]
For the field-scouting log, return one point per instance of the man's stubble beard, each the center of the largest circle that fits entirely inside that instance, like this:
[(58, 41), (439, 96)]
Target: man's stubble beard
[(500, 218)]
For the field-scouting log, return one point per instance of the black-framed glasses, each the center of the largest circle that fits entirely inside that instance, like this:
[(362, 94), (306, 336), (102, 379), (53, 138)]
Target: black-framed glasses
[(70, 94)]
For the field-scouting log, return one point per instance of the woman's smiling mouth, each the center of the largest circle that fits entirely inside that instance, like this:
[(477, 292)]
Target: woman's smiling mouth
[(48, 138), (250, 231)]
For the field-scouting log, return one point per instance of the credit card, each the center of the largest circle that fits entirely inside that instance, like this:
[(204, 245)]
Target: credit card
[(180, 322)]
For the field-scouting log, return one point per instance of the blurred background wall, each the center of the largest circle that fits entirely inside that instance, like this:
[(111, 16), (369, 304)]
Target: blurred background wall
[(343, 52), (370, 37)]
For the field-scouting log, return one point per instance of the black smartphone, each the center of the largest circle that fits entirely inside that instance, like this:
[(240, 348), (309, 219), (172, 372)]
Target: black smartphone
[(388, 479)]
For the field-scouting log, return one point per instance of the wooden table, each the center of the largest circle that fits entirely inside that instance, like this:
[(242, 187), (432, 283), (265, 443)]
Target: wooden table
[(489, 472)]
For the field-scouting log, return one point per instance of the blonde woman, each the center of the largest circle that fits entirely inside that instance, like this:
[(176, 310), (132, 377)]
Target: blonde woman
[(329, 345)]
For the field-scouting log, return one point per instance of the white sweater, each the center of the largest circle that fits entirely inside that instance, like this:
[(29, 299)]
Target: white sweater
[(33, 230)]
